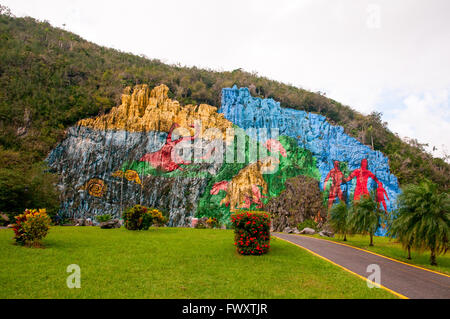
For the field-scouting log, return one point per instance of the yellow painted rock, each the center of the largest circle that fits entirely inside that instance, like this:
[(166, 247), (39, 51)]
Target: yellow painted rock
[(145, 110)]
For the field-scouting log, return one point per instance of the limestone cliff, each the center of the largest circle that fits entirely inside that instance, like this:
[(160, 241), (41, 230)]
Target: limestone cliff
[(132, 155), (144, 110), (101, 160)]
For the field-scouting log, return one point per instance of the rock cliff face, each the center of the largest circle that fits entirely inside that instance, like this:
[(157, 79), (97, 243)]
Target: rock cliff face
[(300, 200), (347, 168), (153, 151), (99, 161), (145, 110), (88, 161)]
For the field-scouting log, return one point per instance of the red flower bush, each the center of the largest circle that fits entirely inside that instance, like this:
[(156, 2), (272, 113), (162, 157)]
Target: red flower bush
[(251, 232), (31, 227)]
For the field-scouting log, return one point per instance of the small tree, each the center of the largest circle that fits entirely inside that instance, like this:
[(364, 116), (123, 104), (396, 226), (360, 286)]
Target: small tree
[(401, 229), (425, 218), (340, 219), (366, 216)]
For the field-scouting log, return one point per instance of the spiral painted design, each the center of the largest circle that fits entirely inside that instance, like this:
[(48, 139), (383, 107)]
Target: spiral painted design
[(118, 173), (96, 187), (132, 175)]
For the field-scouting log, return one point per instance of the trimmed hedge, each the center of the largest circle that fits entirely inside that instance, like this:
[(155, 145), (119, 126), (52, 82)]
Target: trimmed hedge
[(251, 232)]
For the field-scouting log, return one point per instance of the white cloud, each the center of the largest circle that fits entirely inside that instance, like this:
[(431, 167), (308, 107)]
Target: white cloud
[(426, 118)]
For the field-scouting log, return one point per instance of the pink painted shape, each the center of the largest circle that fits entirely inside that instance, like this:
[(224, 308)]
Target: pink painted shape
[(218, 187), (275, 146)]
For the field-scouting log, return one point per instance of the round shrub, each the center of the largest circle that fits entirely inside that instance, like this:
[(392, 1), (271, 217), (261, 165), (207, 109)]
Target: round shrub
[(31, 227), (137, 218), (251, 232), (158, 217)]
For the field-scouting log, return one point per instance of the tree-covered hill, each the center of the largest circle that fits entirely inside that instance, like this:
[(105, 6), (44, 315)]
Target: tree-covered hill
[(51, 78)]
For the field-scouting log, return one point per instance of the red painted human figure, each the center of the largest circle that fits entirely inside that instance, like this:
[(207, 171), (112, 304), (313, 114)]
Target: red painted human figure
[(362, 175), (336, 180), (381, 192), (162, 159)]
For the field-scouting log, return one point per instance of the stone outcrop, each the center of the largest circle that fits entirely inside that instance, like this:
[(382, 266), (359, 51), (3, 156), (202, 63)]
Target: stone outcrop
[(300, 200), (325, 233), (291, 230), (110, 224), (307, 231)]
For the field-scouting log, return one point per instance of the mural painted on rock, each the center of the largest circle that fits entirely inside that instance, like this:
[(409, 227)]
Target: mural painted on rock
[(363, 169), (153, 151)]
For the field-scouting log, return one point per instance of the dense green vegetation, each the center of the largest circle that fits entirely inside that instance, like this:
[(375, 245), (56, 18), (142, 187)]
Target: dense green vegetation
[(51, 78), (423, 220), (168, 263)]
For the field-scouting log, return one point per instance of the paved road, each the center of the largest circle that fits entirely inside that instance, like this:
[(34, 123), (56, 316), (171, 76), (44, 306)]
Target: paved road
[(404, 279)]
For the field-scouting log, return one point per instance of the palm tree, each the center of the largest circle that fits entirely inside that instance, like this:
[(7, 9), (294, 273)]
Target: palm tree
[(366, 216), (339, 219), (400, 228), (427, 218)]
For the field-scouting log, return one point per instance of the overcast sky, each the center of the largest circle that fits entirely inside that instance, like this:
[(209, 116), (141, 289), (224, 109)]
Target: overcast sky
[(388, 56)]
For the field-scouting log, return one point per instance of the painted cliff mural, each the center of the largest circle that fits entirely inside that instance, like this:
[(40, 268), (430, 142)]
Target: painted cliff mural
[(347, 168), (122, 158), (197, 160)]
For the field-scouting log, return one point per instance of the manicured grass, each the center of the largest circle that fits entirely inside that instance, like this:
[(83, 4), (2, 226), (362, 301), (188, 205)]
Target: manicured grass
[(391, 248), (168, 263)]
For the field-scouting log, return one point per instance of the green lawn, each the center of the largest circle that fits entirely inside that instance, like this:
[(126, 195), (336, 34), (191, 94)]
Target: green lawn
[(168, 263), (391, 248)]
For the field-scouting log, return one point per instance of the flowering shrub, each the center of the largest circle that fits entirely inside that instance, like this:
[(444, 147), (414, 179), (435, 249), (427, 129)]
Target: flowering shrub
[(251, 232), (137, 218), (157, 216), (212, 222), (31, 227)]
